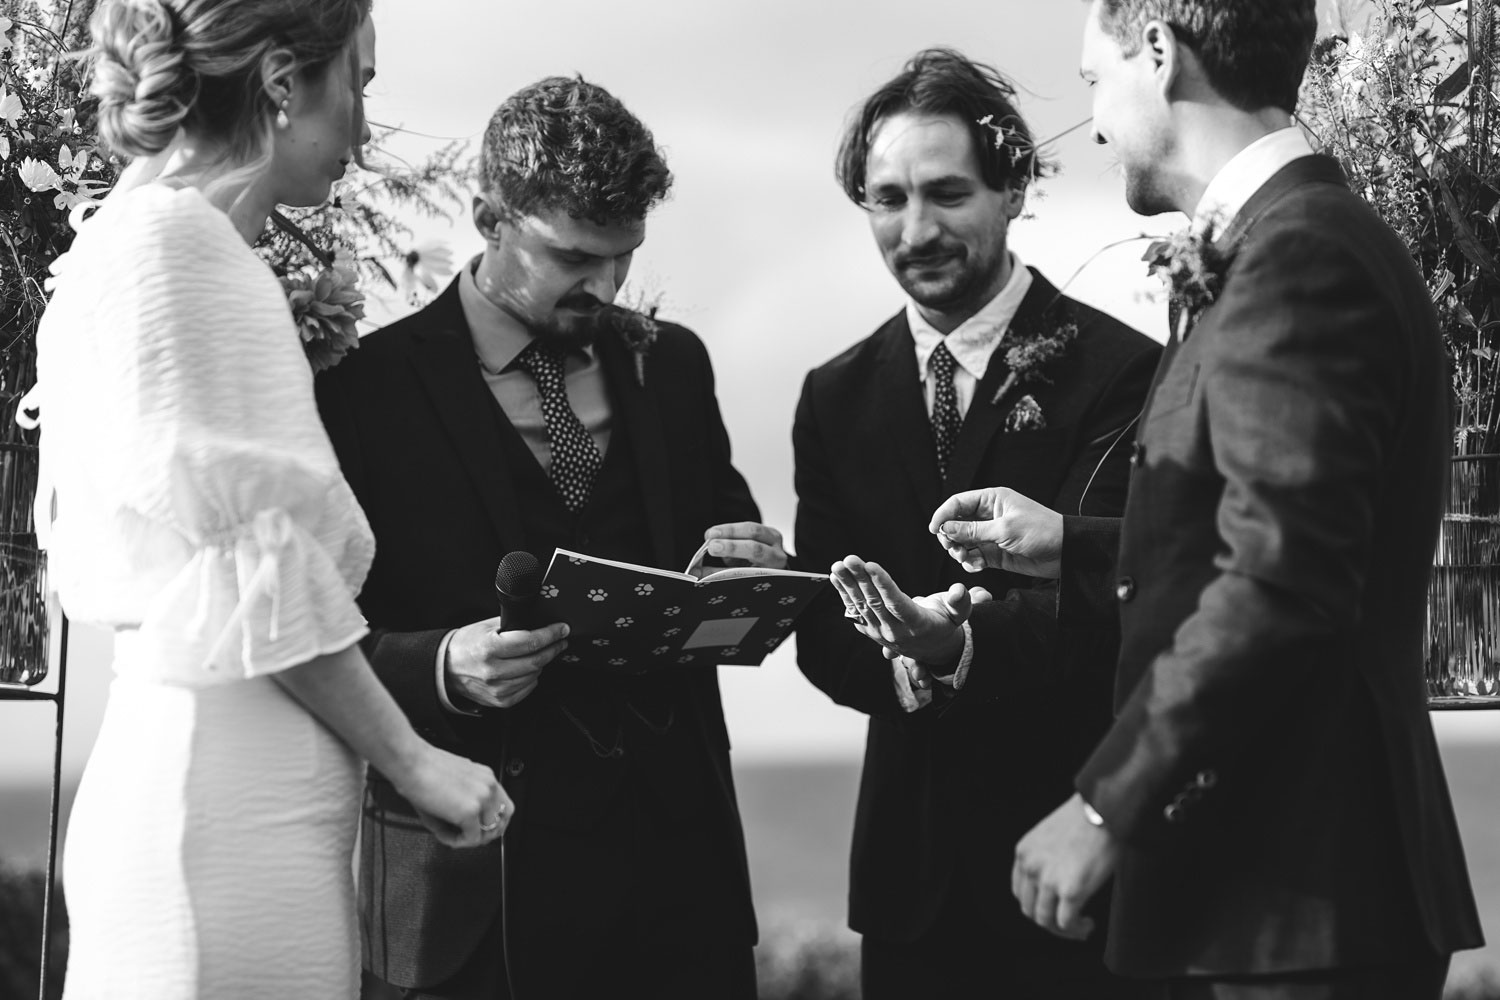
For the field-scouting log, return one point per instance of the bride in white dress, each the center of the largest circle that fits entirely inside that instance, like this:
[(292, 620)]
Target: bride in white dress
[(200, 513)]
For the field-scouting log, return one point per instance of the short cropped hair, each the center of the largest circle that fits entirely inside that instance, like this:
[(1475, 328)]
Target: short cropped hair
[(566, 144), (1254, 52), (943, 81)]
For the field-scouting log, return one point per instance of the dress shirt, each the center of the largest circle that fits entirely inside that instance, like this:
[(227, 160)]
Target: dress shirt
[(1245, 174), (498, 339), (972, 343)]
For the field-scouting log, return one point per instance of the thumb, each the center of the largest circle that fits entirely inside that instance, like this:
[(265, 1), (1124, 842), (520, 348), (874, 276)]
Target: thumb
[(963, 532), (958, 602)]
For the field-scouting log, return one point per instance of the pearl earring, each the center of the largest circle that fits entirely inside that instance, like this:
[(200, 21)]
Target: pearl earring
[(282, 121)]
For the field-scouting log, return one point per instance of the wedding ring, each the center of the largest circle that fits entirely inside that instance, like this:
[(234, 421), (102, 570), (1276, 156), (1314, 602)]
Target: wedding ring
[(490, 828)]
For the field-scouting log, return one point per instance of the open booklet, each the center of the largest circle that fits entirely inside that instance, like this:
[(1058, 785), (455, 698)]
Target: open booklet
[(633, 618)]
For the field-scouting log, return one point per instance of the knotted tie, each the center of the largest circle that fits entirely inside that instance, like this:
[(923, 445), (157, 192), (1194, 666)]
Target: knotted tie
[(945, 416), (575, 459)]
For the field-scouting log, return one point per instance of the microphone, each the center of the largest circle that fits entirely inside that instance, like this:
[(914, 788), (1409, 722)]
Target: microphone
[(518, 580)]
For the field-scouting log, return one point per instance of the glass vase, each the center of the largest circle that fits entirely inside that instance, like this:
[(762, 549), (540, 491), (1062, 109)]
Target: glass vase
[(1463, 603)]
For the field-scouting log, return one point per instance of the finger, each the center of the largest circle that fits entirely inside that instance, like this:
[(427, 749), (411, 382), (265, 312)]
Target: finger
[(1045, 909), (1070, 919), (920, 677), (748, 530), (843, 588), (1026, 894), (960, 506), (980, 595), (957, 604), (891, 606), (755, 553), (522, 642)]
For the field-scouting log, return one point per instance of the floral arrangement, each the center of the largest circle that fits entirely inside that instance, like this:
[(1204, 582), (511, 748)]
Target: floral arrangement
[(1193, 267), (1032, 348), (327, 307), (1404, 96), (634, 321)]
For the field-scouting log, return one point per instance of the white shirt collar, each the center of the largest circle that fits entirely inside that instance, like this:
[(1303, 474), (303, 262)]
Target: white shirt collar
[(1246, 174), (972, 343)]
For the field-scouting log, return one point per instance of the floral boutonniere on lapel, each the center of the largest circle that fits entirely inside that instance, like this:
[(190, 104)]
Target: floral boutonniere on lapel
[(637, 327), (1193, 267), (1029, 350)]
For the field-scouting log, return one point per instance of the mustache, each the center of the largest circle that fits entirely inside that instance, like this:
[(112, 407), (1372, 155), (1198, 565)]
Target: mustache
[(581, 302), (931, 251)]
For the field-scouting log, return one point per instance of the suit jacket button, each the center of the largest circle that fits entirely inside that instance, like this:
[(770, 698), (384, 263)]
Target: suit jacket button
[(1125, 590), (515, 767), (1174, 813), (1206, 779)]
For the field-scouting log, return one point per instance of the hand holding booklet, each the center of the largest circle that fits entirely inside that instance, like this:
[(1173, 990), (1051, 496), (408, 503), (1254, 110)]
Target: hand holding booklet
[(633, 618)]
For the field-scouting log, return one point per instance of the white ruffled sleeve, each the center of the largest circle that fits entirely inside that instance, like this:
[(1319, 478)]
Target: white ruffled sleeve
[(228, 513)]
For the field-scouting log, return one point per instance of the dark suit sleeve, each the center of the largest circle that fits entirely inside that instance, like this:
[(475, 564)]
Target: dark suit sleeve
[(1300, 386), (844, 665), (1034, 639), (731, 497), (405, 662)]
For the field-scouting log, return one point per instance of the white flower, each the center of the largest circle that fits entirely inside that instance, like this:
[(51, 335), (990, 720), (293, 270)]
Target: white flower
[(10, 107), (424, 268), (39, 176), (4, 147), (67, 120)]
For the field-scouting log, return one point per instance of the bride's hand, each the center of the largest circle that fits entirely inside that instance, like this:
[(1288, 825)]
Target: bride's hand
[(461, 802)]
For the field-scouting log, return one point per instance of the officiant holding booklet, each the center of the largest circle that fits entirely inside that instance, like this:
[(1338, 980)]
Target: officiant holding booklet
[(515, 414)]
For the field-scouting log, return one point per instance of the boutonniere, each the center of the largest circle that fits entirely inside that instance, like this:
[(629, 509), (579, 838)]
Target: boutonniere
[(636, 326), (1193, 267), (326, 303), (327, 307), (1033, 348)]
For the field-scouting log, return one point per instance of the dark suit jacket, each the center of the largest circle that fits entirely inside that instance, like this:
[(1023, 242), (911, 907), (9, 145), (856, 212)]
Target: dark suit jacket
[(419, 439), (1272, 770), (948, 790)]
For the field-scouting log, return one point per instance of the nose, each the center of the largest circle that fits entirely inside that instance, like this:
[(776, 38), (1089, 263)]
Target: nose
[(601, 283), (918, 227), (1097, 136)]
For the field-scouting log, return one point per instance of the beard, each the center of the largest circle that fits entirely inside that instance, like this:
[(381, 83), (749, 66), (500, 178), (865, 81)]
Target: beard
[(574, 322), (1145, 194), (946, 279)]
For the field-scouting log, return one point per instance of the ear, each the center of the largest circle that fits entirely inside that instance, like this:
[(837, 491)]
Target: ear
[(1160, 44), (487, 219), (1015, 201), (277, 72)]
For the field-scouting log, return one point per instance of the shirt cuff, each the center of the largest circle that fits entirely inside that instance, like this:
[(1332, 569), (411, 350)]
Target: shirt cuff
[(442, 679), (911, 699), (956, 679)]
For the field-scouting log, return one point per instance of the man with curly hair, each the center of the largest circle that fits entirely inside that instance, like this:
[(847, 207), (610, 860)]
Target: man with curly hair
[(512, 414), (1270, 801)]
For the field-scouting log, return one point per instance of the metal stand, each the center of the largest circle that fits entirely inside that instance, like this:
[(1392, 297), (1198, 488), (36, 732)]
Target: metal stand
[(10, 692)]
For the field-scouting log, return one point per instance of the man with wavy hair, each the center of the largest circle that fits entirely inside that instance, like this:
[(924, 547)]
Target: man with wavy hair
[(508, 415), (938, 399), (1270, 801)]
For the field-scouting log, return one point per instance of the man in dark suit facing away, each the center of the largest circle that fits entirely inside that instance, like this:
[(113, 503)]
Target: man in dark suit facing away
[(988, 373), (506, 416), (1269, 802)]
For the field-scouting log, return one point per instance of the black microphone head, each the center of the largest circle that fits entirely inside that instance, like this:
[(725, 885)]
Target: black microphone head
[(519, 576)]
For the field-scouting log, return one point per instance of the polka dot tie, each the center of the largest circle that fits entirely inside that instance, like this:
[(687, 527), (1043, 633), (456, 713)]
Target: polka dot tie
[(945, 417), (575, 458)]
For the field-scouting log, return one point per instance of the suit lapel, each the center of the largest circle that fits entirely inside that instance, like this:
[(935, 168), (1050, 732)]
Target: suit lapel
[(1304, 170), (900, 418), (443, 355), (635, 409), (986, 416)]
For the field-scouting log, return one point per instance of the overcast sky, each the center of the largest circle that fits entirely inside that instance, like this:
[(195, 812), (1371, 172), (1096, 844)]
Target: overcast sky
[(757, 249)]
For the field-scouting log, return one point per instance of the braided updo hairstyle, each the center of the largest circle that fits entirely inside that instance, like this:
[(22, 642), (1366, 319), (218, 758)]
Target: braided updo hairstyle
[(160, 65)]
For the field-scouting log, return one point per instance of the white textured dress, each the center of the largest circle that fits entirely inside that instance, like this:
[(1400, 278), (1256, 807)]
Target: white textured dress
[(201, 513)]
